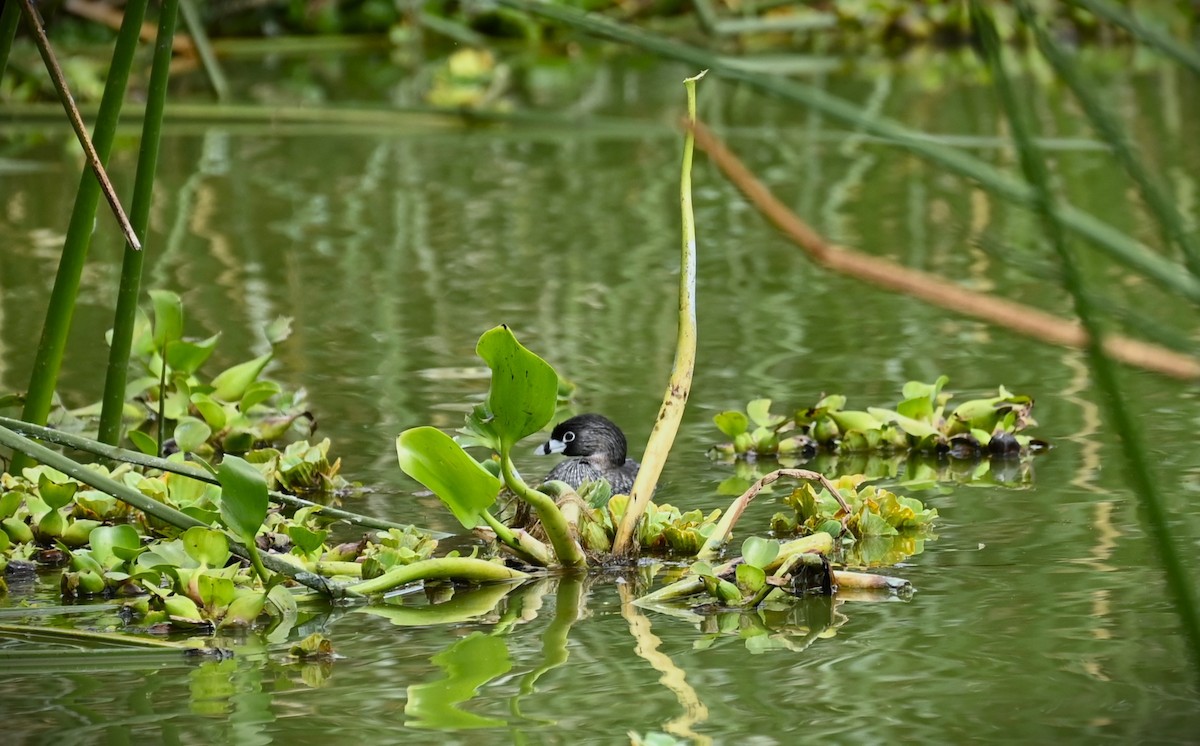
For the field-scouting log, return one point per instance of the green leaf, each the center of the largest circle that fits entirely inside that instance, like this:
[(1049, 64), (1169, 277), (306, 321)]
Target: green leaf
[(54, 494), (143, 442), (191, 434), (205, 545), (433, 458), (231, 384), (215, 592), (105, 540), (703, 569), (306, 539), (758, 551), (849, 420), (243, 497), (750, 577), (524, 391), (728, 593), (760, 412), (279, 330), (210, 409), (187, 357), (183, 610), (732, 423), (257, 393), (168, 317), (246, 606), (915, 428)]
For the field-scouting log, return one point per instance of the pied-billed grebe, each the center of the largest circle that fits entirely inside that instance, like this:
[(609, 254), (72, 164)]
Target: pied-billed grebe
[(597, 448)]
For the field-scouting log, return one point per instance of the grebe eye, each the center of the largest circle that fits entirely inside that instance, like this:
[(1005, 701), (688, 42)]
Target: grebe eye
[(569, 436)]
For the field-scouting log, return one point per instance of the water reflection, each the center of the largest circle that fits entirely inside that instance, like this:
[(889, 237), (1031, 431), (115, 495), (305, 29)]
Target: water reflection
[(393, 251)]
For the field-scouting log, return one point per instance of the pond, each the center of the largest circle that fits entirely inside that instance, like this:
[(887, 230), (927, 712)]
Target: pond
[(1040, 611)]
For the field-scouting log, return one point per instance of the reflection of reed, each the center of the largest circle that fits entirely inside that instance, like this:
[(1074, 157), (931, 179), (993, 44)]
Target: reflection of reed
[(673, 677)]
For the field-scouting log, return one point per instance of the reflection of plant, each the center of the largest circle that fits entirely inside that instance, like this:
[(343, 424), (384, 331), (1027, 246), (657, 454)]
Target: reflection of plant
[(920, 423)]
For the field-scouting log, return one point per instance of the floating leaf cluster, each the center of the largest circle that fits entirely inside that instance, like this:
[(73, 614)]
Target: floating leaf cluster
[(923, 422), (883, 528)]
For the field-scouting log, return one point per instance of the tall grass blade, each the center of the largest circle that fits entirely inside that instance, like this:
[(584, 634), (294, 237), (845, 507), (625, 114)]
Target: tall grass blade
[(1153, 513), (131, 266), (208, 58), (48, 360), (1150, 36), (1113, 242), (1106, 124), (10, 16)]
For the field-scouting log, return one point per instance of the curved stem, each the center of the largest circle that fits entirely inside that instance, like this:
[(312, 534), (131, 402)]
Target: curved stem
[(570, 554), (441, 568)]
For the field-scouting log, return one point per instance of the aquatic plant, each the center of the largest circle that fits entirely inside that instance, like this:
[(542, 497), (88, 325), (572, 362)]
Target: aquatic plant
[(922, 422)]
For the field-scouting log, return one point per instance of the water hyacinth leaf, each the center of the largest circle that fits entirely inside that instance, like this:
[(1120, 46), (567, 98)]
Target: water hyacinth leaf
[(205, 546), (257, 393), (168, 317), (703, 569), (524, 391), (758, 551), (479, 430), (144, 442), (728, 593), (750, 577), (283, 601), (279, 330), (307, 540), (732, 423), (433, 458), (915, 428), (831, 403), (55, 494), (850, 420), (231, 384), (107, 540), (186, 357), (760, 413), (210, 409), (9, 502), (246, 606), (243, 496), (191, 433), (183, 610)]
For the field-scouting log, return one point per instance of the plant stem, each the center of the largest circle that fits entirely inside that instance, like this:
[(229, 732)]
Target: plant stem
[(1156, 197), (34, 19), (10, 16), (131, 266), (48, 360), (440, 568), (680, 384), (1153, 512), (208, 58), (724, 528), (1148, 35), (566, 548), (523, 545)]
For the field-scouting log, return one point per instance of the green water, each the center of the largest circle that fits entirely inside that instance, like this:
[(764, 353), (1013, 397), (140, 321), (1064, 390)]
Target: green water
[(1040, 611)]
